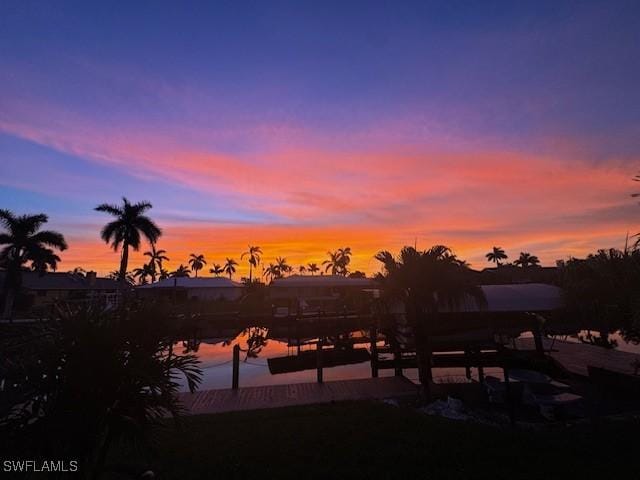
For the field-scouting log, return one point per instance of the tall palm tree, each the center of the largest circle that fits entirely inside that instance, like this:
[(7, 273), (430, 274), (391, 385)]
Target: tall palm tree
[(527, 260), (253, 255), (197, 262), (313, 268), (302, 269), (495, 255), (156, 257), (23, 242), (217, 269), (426, 282), (230, 267), (127, 229), (180, 272)]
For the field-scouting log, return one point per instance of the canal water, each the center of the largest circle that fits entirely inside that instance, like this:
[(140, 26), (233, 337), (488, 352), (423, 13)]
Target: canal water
[(216, 355), (616, 338), (257, 347)]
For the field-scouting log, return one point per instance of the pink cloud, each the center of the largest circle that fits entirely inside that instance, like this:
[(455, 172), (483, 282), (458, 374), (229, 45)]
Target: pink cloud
[(368, 197)]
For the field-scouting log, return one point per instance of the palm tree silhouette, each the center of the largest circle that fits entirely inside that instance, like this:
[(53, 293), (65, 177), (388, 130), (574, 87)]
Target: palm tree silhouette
[(283, 266), (45, 261), (128, 277), (527, 260), (180, 272), (338, 261), (217, 269), (253, 255), (24, 242), (230, 267), (128, 227), (147, 270), (156, 257), (197, 262), (495, 255), (333, 263), (345, 259), (272, 272), (302, 269), (426, 282), (313, 268), (78, 271)]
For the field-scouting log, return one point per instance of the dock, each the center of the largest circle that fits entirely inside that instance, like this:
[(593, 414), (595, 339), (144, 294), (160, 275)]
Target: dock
[(576, 358), (275, 396)]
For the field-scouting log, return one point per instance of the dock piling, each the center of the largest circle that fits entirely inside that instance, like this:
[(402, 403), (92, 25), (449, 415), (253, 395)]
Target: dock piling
[(397, 359), (236, 367), (373, 338), (319, 360)]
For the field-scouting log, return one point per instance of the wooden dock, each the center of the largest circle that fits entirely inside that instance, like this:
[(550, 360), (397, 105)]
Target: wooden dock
[(274, 396), (575, 358)]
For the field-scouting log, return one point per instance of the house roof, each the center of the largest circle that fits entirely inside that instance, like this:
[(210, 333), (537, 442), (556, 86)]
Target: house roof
[(62, 281), (188, 282), (302, 281), (523, 297)]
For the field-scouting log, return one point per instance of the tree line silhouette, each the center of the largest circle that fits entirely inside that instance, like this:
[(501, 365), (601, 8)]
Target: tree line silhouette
[(26, 244), (497, 255)]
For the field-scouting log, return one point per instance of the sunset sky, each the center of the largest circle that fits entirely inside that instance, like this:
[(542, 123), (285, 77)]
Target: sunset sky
[(307, 126)]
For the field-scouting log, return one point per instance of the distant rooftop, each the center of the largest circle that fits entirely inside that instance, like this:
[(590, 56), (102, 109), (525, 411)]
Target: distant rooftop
[(524, 297), (63, 281), (322, 281), (188, 282)]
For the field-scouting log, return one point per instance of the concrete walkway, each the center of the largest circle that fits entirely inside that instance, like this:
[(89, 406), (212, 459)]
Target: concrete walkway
[(273, 396), (576, 357)]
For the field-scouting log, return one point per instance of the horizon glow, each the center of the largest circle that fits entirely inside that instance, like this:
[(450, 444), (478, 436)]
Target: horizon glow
[(305, 128)]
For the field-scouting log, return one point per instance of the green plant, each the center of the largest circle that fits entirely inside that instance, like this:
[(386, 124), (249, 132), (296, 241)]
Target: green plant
[(87, 379)]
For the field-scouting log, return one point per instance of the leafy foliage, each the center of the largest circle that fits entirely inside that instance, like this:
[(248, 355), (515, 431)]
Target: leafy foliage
[(23, 242), (424, 283), (603, 289), (88, 378)]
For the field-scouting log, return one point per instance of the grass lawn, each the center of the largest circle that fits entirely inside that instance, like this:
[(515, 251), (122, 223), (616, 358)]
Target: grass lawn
[(373, 440)]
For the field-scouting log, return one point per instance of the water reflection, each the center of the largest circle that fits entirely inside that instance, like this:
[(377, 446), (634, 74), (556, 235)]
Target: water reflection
[(347, 357), (259, 347), (256, 340), (614, 340)]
